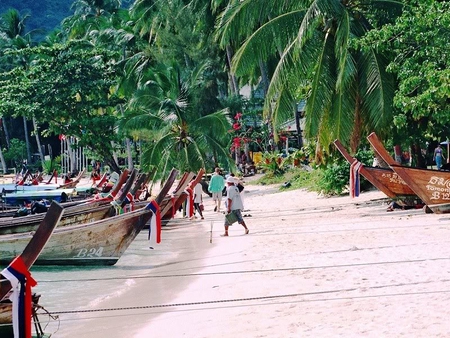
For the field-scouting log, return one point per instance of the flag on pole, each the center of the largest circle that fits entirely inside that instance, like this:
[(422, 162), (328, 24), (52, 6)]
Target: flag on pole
[(154, 234), (354, 178), (21, 282)]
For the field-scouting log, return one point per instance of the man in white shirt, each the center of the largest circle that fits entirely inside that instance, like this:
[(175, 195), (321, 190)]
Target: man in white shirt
[(234, 205)]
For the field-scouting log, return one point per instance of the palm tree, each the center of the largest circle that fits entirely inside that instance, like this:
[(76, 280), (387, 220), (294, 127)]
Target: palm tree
[(12, 25), (347, 89), (175, 133)]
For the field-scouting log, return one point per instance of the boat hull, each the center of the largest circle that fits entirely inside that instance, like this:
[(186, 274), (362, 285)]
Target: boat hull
[(98, 243), (431, 186), (384, 179), (73, 215)]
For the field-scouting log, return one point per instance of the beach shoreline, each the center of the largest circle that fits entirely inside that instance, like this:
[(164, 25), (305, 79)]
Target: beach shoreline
[(311, 267)]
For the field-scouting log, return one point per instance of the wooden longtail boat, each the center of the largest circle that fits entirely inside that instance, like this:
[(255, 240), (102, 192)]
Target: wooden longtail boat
[(96, 200), (76, 214), (190, 183), (73, 183), (29, 256), (97, 243), (21, 197), (36, 243), (432, 186), (172, 203), (384, 179)]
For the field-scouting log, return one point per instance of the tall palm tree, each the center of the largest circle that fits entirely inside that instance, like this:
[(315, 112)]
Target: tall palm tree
[(175, 133), (347, 89)]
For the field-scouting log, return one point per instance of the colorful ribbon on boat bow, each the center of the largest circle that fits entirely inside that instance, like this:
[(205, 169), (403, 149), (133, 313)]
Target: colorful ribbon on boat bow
[(154, 234), (21, 282), (354, 178)]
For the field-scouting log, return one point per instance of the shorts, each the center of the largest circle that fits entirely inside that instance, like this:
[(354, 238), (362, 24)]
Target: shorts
[(238, 216), (217, 196)]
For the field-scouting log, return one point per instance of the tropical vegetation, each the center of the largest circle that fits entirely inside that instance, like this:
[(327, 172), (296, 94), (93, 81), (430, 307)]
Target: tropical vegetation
[(160, 81)]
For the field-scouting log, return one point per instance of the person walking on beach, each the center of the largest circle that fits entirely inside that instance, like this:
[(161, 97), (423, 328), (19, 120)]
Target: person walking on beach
[(438, 156), (215, 187), (198, 199), (234, 205)]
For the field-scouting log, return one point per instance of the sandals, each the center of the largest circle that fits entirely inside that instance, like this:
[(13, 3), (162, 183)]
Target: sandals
[(247, 231)]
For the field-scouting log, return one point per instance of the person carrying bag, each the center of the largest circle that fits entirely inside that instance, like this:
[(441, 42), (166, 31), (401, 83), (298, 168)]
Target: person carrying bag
[(234, 206)]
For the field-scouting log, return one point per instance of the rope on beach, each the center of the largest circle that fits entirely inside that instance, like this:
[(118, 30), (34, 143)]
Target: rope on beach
[(263, 298), (409, 261), (205, 302)]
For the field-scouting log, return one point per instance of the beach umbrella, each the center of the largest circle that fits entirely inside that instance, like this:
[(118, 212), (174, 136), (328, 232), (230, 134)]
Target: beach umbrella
[(447, 143)]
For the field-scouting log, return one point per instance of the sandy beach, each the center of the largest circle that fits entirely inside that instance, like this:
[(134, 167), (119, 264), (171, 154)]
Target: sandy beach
[(311, 267)]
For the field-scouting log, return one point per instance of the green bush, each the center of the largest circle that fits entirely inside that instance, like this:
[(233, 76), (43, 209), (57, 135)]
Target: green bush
[(16, 153), (336, 175), (273, 164)]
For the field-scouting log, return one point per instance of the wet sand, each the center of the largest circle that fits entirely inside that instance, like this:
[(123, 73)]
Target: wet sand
[(310, 267)]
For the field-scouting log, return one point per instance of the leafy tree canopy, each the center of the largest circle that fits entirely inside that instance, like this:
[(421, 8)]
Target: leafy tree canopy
[(68, 87), (418, 43)]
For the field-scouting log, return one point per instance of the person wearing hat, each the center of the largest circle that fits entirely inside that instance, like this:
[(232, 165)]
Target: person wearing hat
[(215, 187), (234, 204)]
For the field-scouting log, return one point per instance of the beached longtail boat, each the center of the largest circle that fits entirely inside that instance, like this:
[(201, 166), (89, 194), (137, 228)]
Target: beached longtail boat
[(191, 183), (384, 179), (97, 243), (28, 256), (431, 186), (76, 214), (36, 242), (73, 183)]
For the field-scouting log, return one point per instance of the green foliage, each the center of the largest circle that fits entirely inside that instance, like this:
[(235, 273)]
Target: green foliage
[(16, 153), (273, 164), (299, 178), (52, 164), (70, 88), (335, 176), (349, 91), (418, 44)]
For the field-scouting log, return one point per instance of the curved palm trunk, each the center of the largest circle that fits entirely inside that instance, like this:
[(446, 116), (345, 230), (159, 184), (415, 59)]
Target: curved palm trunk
[(27, 139)]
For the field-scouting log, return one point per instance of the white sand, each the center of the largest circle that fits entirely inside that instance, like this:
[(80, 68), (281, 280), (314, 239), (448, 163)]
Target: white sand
[(310, 267), (344, 270)]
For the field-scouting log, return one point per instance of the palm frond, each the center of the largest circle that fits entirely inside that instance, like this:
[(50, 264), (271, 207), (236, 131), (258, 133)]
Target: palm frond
[(266, 40), (322, 87)]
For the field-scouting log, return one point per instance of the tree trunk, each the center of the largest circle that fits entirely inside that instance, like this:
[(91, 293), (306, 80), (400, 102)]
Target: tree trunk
[(356, 134), (38, 141), (113, 165), (233, 81), (114, 155), (71, 154), (264, 76), (27, 140), (129, 155), (5, 129), (2, 159)]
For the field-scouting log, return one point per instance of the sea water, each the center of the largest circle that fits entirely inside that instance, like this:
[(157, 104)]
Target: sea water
[(111, 301)]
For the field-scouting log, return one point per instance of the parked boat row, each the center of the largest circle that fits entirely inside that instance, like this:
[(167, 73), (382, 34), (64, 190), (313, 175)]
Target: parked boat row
[(405, 183), (93, 232)]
